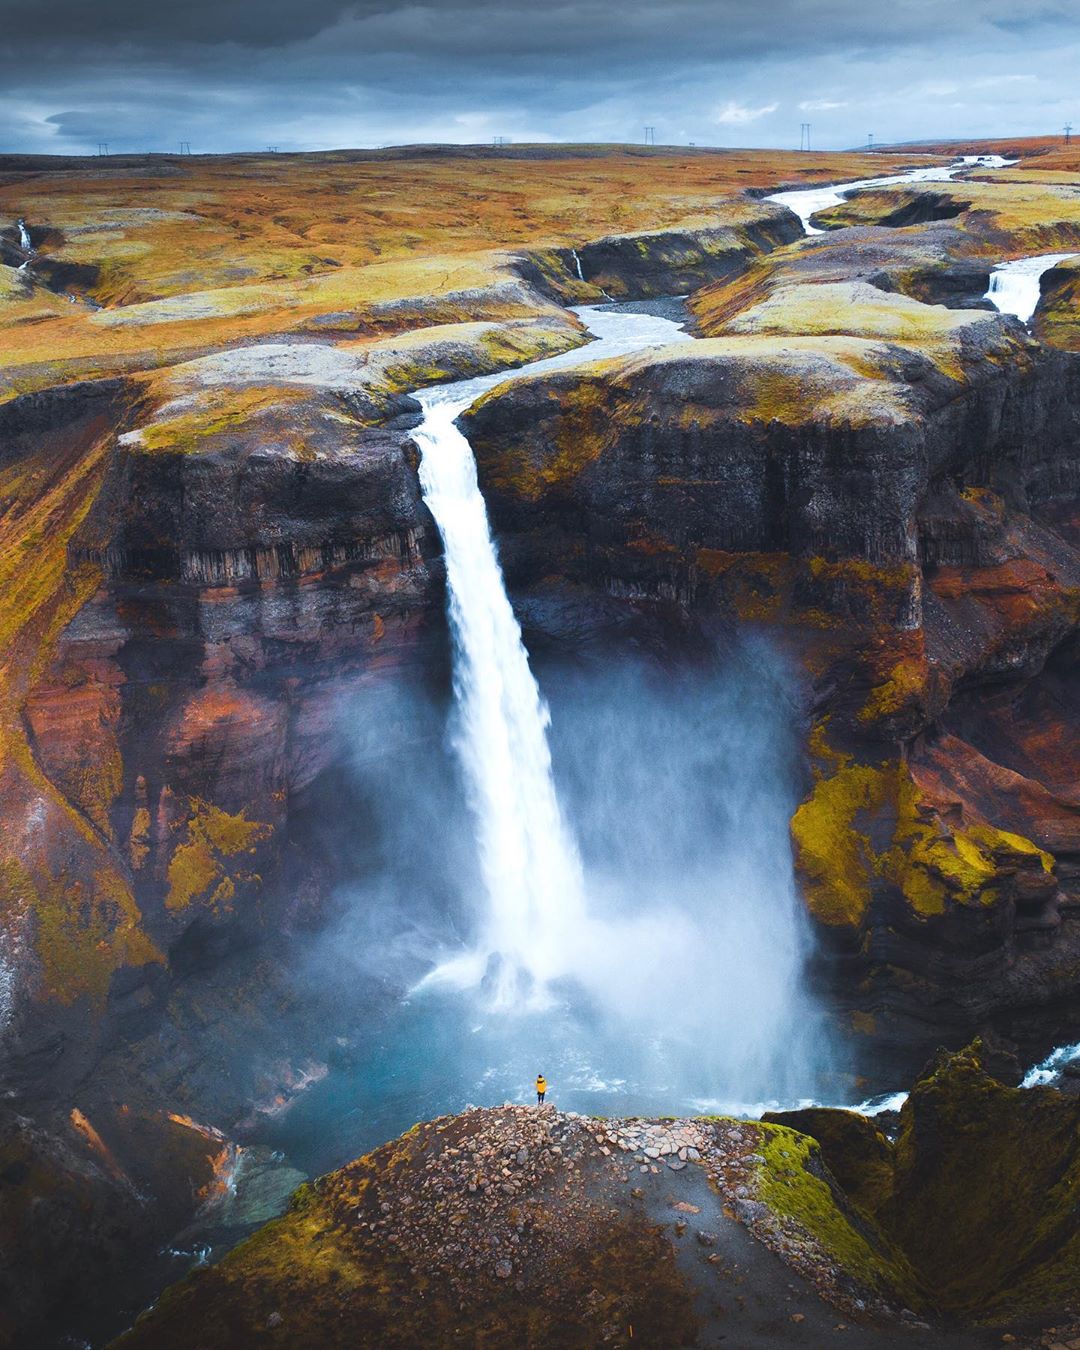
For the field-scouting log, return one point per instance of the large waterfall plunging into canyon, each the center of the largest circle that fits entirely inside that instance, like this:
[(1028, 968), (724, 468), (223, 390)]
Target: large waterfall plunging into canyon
[(530, 866), (617, 875), (606, 892)]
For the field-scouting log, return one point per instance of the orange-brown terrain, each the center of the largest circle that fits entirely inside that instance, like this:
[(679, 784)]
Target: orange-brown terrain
[(212, 536)]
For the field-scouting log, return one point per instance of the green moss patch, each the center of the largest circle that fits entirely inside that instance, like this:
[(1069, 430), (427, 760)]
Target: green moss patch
[(933, 868), (796, 1185)]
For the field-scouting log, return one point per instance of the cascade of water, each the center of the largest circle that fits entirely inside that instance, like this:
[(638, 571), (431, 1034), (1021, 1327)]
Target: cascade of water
[(1048, 1069), (24, 237), (577, 265), (529, 863), (7, 990), (1016, 287)]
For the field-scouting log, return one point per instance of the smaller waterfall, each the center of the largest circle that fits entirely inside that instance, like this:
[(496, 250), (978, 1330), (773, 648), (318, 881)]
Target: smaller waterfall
[(24, 237), (577, 264), (1048, 1069), (7, 993), (1016, 287), (7, 985)]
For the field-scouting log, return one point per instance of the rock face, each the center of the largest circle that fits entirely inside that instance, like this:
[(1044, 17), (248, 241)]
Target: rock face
[(887, 488), (79, 1198), (645, 264), (234, 584)]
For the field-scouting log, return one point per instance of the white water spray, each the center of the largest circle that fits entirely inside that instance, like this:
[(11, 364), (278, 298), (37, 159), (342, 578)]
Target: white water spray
[(529, 862), (24, 237), (7, 991), (577, 265), (1048, 1070), (1016, 287)]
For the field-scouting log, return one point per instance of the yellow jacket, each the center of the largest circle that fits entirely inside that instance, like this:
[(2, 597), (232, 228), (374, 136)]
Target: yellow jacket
[(541, 1084)]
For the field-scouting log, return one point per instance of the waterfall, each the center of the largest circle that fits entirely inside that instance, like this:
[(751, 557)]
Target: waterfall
[(24, 237), (1047, 1070), (529, 863), (577, 265), (7, 984), (1016, 287)]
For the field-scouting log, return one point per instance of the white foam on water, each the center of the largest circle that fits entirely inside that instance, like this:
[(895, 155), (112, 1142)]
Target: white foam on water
[(1016, 286), (1044, 1073)]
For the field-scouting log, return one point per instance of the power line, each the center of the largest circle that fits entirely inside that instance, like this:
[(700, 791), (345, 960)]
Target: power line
[(498, 142), (869, 140), (650, 135), (185, 147), (103, 147), (1068, 132), (804, 135)]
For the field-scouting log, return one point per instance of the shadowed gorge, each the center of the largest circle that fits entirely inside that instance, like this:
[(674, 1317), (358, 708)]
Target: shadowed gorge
[(600, 612)]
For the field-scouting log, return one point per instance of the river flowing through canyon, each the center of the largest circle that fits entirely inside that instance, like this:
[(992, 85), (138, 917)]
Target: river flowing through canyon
[(807, 202)]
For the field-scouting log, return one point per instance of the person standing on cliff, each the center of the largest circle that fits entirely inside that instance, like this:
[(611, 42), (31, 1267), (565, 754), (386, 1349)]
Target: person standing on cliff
[(541, 1088)]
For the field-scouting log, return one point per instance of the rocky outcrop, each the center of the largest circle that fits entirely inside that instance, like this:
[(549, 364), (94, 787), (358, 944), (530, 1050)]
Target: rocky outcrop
[(533, 1227), (478, 1219), (976, 1189), (647, 264)]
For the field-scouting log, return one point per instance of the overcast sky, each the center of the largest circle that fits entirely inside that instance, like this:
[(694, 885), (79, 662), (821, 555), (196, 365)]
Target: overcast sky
[(316, 74)]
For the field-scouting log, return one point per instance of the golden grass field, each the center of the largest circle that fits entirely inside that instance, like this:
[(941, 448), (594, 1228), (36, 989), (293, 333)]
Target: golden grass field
[(188, 254)]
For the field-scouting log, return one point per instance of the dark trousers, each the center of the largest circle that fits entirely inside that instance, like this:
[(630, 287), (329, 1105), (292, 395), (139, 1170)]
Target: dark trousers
[(539, 1099)]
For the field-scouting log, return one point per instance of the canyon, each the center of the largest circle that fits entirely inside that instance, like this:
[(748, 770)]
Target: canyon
[(833, 484)]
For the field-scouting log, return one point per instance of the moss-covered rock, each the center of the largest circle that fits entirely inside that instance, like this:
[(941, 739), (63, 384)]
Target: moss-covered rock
[(984, 1199), (867, 823), (854, 1150), (978, 1192)]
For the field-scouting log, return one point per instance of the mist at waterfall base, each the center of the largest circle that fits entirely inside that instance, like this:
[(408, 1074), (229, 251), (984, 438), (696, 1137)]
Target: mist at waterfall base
[(683, 988)]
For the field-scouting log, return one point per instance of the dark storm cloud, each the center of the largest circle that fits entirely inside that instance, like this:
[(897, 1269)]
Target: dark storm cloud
[(519, 27), (236, 73)]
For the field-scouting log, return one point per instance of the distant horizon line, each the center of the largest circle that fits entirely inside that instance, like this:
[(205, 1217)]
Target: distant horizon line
[(510, 146)]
